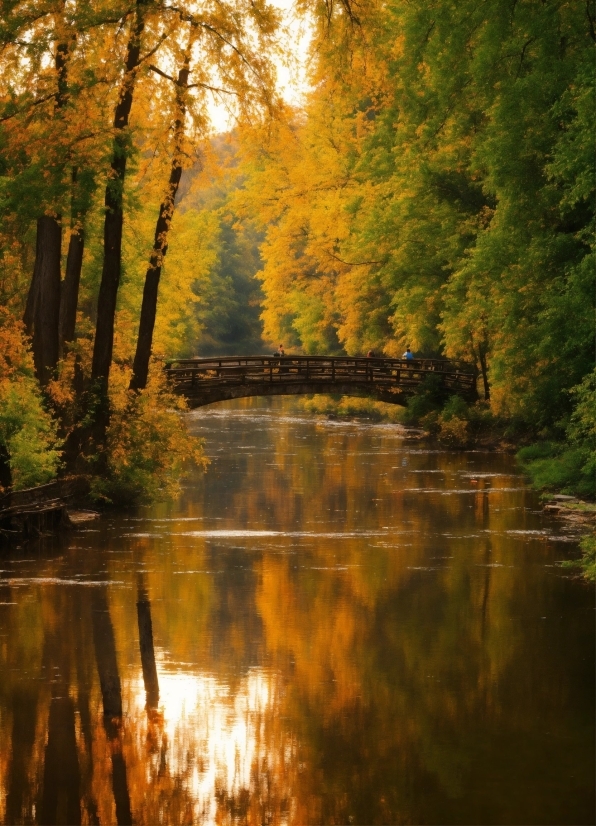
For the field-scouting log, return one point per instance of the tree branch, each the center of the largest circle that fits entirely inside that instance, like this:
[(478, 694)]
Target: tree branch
[(32, 105), (353, 263), (209, 88), (163, 74)]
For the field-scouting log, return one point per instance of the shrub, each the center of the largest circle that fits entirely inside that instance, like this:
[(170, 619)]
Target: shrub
[(588, 560), (565, 469), (430, 396), (570, 467), (28, 434), (149, 448), (453, 431)]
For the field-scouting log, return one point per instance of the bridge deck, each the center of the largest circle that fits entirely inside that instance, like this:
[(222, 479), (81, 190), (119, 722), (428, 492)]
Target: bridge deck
[(206, 380)]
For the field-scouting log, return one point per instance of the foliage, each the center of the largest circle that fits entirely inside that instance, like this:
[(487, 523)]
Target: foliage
[(429, 398), (435, 189), (570, 466), (28, 433), (149, 450), (553, 466), (352, 407), (438, 190), (90, 118), (588, 561)]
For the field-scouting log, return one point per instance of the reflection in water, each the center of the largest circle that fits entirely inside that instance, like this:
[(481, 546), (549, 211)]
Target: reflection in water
[(212, 738), (111, 693), (146, 644), (333, 627)]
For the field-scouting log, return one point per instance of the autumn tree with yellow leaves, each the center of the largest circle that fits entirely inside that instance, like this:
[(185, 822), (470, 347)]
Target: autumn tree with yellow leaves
[(437, 190), (98, 106)]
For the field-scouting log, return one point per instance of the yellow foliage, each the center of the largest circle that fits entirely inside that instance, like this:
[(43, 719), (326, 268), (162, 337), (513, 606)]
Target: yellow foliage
[(149, 448)]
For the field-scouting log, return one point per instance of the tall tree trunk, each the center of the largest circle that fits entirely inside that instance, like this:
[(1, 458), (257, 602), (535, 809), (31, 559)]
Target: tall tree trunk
[(110, 277), (69, 297), (140, 367), (43, 301), (47, 298)]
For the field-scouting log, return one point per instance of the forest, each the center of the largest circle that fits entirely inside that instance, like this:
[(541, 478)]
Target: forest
[(434, 188)]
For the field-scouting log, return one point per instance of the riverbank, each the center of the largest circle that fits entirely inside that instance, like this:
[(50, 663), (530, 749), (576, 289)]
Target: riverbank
[(559, 471)]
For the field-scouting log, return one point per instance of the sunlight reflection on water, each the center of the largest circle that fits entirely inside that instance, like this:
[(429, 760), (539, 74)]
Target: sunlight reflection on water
[(329, 647)]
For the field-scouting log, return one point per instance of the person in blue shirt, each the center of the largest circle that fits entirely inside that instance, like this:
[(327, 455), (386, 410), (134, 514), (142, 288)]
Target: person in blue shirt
[(408, 354)]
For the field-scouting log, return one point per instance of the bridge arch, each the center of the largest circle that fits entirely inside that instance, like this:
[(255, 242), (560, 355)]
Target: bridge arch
[(205, 381)]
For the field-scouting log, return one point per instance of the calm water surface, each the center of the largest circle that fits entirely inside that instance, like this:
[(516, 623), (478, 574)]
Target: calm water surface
[(334, 625)]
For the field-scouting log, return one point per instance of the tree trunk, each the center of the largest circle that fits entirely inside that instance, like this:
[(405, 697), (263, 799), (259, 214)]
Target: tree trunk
[(140, 367), (110, 277), (484, 370), (32, 295), (150, 290), (69, 297), (47, 296), (5, 471), (42, 311)]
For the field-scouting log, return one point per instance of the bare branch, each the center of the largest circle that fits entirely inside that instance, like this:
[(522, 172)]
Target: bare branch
[(216, 89), (209, 88), (163, 74)]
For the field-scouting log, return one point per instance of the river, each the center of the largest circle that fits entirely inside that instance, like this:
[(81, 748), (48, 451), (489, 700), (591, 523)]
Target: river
[(334, 625)]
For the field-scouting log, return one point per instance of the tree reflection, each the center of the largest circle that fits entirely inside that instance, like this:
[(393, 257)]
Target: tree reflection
[(111, 692), (375, 658), (61, 778), (146, 643)]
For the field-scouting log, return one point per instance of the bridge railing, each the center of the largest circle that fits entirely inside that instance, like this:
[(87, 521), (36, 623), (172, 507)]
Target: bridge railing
[(193, 375)]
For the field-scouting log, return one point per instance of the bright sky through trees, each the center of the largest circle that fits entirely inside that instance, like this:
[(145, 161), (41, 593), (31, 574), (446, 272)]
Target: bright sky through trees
[(292, 70)]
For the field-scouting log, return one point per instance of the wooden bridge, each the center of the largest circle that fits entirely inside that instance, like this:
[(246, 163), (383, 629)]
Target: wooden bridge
[(204, 381)]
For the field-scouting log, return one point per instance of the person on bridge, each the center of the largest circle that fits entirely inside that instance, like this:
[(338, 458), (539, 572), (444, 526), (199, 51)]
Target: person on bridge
[(371, 354), (408, 355), (280, 351)]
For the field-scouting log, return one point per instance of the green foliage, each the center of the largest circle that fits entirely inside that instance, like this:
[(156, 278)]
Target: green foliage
[(438, 190), (569, 467), (555, 467), (588, 560), (352, 407), (28, 433), (422, 408)]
